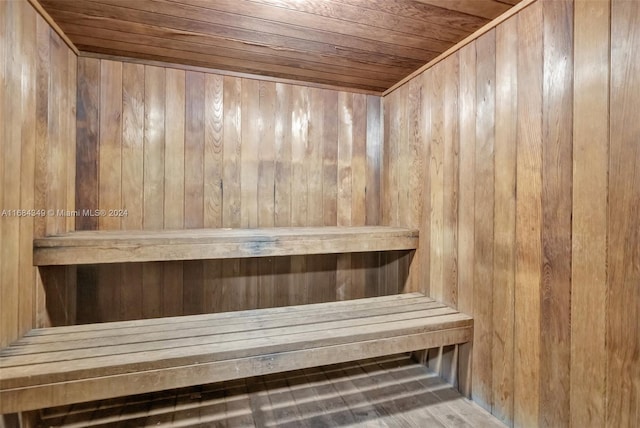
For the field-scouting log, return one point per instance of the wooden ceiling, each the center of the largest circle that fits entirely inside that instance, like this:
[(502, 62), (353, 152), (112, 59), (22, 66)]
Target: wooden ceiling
[(360, 44)]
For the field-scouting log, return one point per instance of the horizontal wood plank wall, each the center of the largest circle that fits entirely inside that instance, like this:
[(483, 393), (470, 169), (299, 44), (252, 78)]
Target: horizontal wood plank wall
[(536, 180), (37, 167), (184, 149)]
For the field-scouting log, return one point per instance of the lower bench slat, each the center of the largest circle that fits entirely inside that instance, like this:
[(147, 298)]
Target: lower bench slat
[(33, 385)]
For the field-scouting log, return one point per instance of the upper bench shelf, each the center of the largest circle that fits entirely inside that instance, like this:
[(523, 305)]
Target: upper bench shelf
[(94, 247)]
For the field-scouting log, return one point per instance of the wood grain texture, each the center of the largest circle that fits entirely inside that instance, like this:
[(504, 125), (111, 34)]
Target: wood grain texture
[(6, 335), (466, 199), (194, 149), (528, 220), (451, 173), (132, 144), (174, 184), (9, 276), (555, 298), (542, 262), (221, 151), (87, 131), (28, 58), (110, 149), (504, 225), (589, 227), (338, 332), (37, 153), (623, 220), (334, 44), (466, 183), (132, 179), (415, 160), (92, 247), (436, 181), (344, 390), (153, 193), (484, 212)]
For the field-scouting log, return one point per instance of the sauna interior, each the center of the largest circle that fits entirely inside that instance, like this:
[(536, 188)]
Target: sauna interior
[(389, 213)]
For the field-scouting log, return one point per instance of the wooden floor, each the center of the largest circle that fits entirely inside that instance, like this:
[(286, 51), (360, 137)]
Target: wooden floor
[(390, 391)]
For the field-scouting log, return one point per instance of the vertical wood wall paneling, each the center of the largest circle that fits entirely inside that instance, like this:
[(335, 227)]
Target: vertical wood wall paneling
[(466, 202), (436, 91), (43, 66), (528, 219), (12, 128), (87, 173), (6, 336), (504, 223), (37, 102), (393, 124), (547, 214), (317, 284), (589, 228), (70, 160), (59, 282), (358, 188), (194, 144), (174, 185), (266, 186), (57, 171), (87, 128), (213, 145), (400, 152), (555, 298), (345, 144), (451, 180), (484, 212), (109, 286), (213, 173), (249, 182), (450, 168), (231, 203), (623, 276), (425, 220), (330, 183), (373, 185), (153, 194), (27, 59), (70, 134), (54, 152), (374, 156), (299, 184), (132, 181), (41, 158), (282, 186), (415, 170)]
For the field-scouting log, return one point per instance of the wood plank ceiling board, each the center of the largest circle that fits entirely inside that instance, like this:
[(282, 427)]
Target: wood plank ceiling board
[(363, 45)]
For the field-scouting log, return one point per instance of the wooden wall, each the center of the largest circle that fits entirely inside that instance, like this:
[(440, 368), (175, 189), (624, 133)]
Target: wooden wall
[(524, 147), (187, 149), (37, 166)]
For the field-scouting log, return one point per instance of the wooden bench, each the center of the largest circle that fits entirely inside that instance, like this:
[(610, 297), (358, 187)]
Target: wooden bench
[(163, 245), (64, 365)]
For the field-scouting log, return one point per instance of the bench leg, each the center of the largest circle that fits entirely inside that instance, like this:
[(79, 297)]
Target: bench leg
[(29, 419), (420, 357), (465, 352), (10, 421), (457, 372)]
